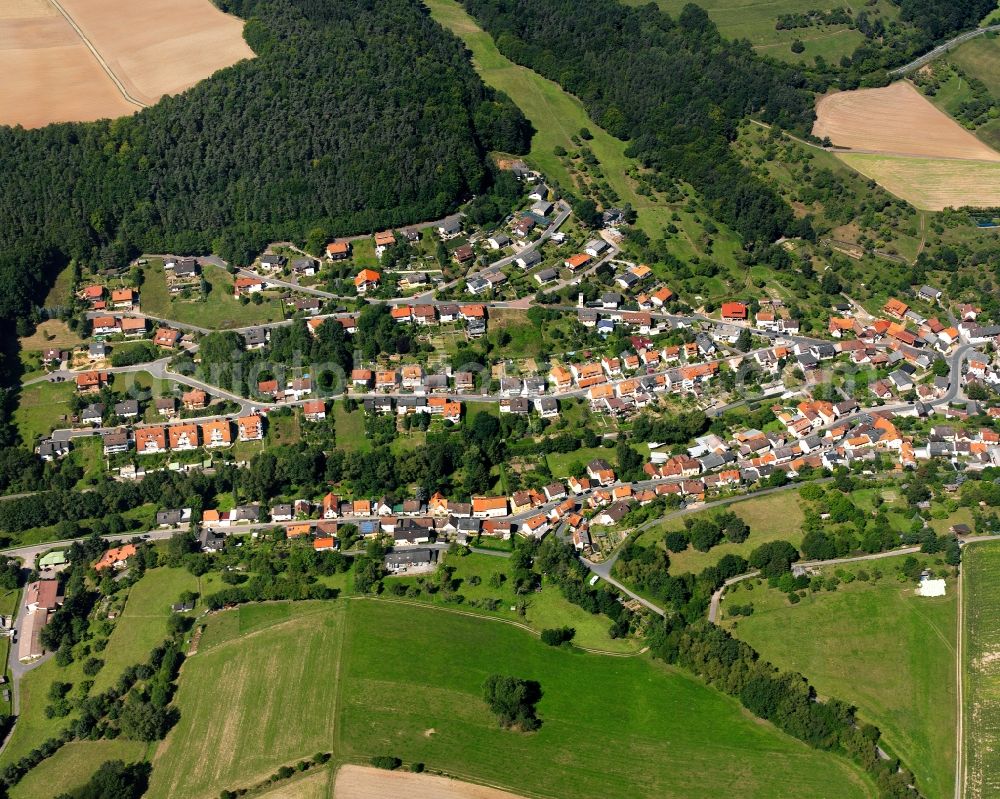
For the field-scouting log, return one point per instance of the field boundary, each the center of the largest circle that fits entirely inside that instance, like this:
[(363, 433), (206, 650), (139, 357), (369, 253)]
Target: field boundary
[(100, 59)]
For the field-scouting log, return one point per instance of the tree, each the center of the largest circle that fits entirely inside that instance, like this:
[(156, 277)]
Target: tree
[(704, 533), (142, 721), (773, 558), (113, 780), (513, 701), (557, 635)]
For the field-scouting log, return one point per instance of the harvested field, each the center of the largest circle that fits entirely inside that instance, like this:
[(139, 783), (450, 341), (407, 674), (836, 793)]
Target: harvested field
[(895, 120), (50, 75), (153, 48), (361, 782), (932, 184), (160, 47)]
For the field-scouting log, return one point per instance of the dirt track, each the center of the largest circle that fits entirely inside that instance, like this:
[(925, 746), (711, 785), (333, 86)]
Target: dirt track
[(360, 782), (895, 120)]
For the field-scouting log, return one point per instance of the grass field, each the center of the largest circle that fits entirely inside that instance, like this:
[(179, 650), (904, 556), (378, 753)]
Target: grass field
[(73, 765), (755, 20), (546, 608), (980, 58), (879, 646), (981, 652), (363, 677), (932, 184), (219, 309), (350, 428), (40, 408), (143, 623), (32, 726), (773, 517), (50, 333)]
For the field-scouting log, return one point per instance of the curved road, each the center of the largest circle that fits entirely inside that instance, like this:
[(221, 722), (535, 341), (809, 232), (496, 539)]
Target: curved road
[(926, 58)]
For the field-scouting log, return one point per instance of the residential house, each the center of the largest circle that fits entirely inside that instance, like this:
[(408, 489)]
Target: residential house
[(250, 428), (314, 410), (367, 280), (217, 433)]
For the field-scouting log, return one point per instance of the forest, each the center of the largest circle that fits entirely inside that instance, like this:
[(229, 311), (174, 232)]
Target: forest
[(675, 90), (355, 115)]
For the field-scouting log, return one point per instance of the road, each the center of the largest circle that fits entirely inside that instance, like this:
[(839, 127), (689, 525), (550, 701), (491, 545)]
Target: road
[(941, 49)]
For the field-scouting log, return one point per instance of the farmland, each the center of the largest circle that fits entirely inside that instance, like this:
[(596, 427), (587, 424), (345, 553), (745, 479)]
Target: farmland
[(932, 184), (910, 147), (902, 645), (363, 677), (895, 120), (160, 47), (356, 782), (51, 76), (981, 652), (61, 71)]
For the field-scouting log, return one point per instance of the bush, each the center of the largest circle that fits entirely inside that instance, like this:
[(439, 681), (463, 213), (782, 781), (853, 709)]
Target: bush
[(387, 762), (92, 665), (513, 701), (558, 635)]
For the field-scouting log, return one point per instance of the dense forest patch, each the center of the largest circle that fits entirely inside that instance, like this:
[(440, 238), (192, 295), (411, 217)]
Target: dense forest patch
[(355, 115)]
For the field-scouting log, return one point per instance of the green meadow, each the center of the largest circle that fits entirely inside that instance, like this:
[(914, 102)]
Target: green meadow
[(877, 645), (363, 677)]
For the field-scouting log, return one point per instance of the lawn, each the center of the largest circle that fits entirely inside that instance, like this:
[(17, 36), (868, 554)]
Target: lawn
[(70, 767), (981, 655), (40, 408), (218, 310), (349, 428), (555, 115), (143, 623), (772, 517), (879, 646), (561, 464), (363, 677)]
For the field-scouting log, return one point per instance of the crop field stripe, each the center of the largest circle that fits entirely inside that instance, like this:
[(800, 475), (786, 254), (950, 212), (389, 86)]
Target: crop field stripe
[(981, 649)]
